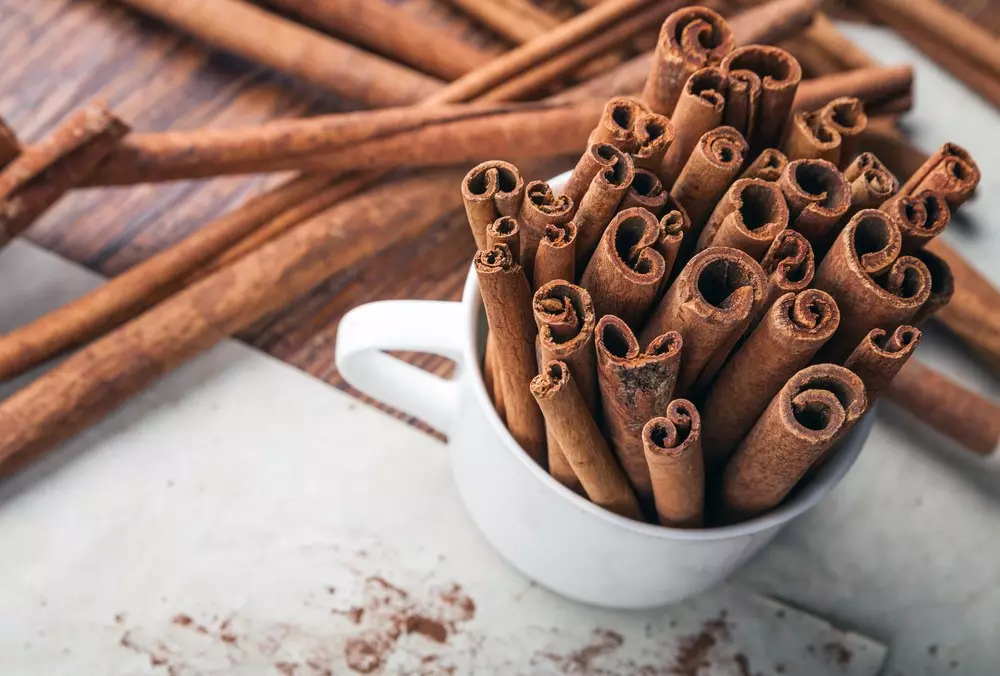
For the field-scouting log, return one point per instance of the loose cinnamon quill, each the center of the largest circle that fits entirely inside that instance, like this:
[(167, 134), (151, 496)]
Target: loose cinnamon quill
[(711, 169), (636, 385), (711, 304), (564, 314), (490, 190), (879, 357), (748, 217), (672, 445), (574, 428), (817, 406), (818, 197), (786, 340)]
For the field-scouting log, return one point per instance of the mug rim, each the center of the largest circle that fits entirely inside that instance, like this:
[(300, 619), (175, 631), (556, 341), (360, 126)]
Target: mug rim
[(828, 476)]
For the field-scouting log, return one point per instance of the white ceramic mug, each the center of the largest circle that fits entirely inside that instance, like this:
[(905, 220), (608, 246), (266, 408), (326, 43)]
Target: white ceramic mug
[(545, 530)]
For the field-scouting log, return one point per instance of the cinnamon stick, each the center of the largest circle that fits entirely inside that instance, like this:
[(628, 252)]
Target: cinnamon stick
[(748, 217), (253, 33), (880, 355), (505, 230), (789, 265), (871, 183), (873, 286), (949, 408), (627, 125), (626, 272), (710, 304), (636, 385), (43, 172), (507, 299), (391, 31), (674, 228), (808, 137), (691, 38), (818, 197), (779, 76), (556, 255), (711, 169), (785, 341), (942, 285), (565, 317), (514, 20), (699, 110), (870, 85), (490, 190), (768, 166), (541, 208), (604, 173), (920, 217), (646, 191), (846, 116), (951, 172), (817, 406), (672, 445), (574, 428)]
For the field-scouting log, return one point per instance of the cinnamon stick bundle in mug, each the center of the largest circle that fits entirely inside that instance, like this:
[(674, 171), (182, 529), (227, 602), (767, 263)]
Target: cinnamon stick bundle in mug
[(748, 217), (626, 272), (672, 444), (785, 340), (571, 425), (818, 197), (880, 355), (565, 317), (636, 385), (690, 38), (711, 304), (815, 408), (873, 286)]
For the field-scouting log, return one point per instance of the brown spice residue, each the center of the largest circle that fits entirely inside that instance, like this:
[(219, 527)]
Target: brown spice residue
[(456, 597), (286, 668), (425, 626), (603, 642), (361, 656), (182, 620), (839, 653), (693, 654)]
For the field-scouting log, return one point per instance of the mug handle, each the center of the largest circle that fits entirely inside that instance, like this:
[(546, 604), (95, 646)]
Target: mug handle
[(418, 325)]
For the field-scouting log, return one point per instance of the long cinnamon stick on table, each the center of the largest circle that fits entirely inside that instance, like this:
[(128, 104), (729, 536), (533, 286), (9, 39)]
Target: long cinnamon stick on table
[(711, 304), (636, 385), (565, 317), (398, 34), (699, 110), (789, 265), (871, 183), (868, 84), (43, 172), (880, 355), (768, 166), (521, 24), (818, 197), (603, 192), (672, 445), (253, 33), (958, 413), (786, 340), (748, 217), (625, 274), (817, 406), (507, 299), (873, 286), (490, 190), (556, 254), (691, 38), (711, 169), (574, 428), (778, 75)]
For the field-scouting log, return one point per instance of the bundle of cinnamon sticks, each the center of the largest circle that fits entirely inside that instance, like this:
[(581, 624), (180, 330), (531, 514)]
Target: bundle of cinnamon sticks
[(717, 295)]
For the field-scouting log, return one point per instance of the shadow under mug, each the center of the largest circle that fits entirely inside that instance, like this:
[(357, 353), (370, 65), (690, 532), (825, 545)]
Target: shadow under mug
[(548, 532)]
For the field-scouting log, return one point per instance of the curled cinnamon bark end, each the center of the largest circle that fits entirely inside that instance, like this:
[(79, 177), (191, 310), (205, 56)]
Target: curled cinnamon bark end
[(789, 265), (748, 217), (635, 386), (614, 174), (711, 169), (690, 38), (942, 284), (573, 427), (699, 110), (711, 304), (742, 101), (674, 226), (646, 191), (880, 355), (654, 135), (785, 340), (616, 126), (951, 172), (505, 230), (873, 288), (817, 406), (768, 166), (507, 299), (871, 182), (556, 254), (920, 216), (490, 190), (626, 272), (540, 208), (845, 116), (808, 137), (779, 74), (672, 445), (818, 196), (564, 314)]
